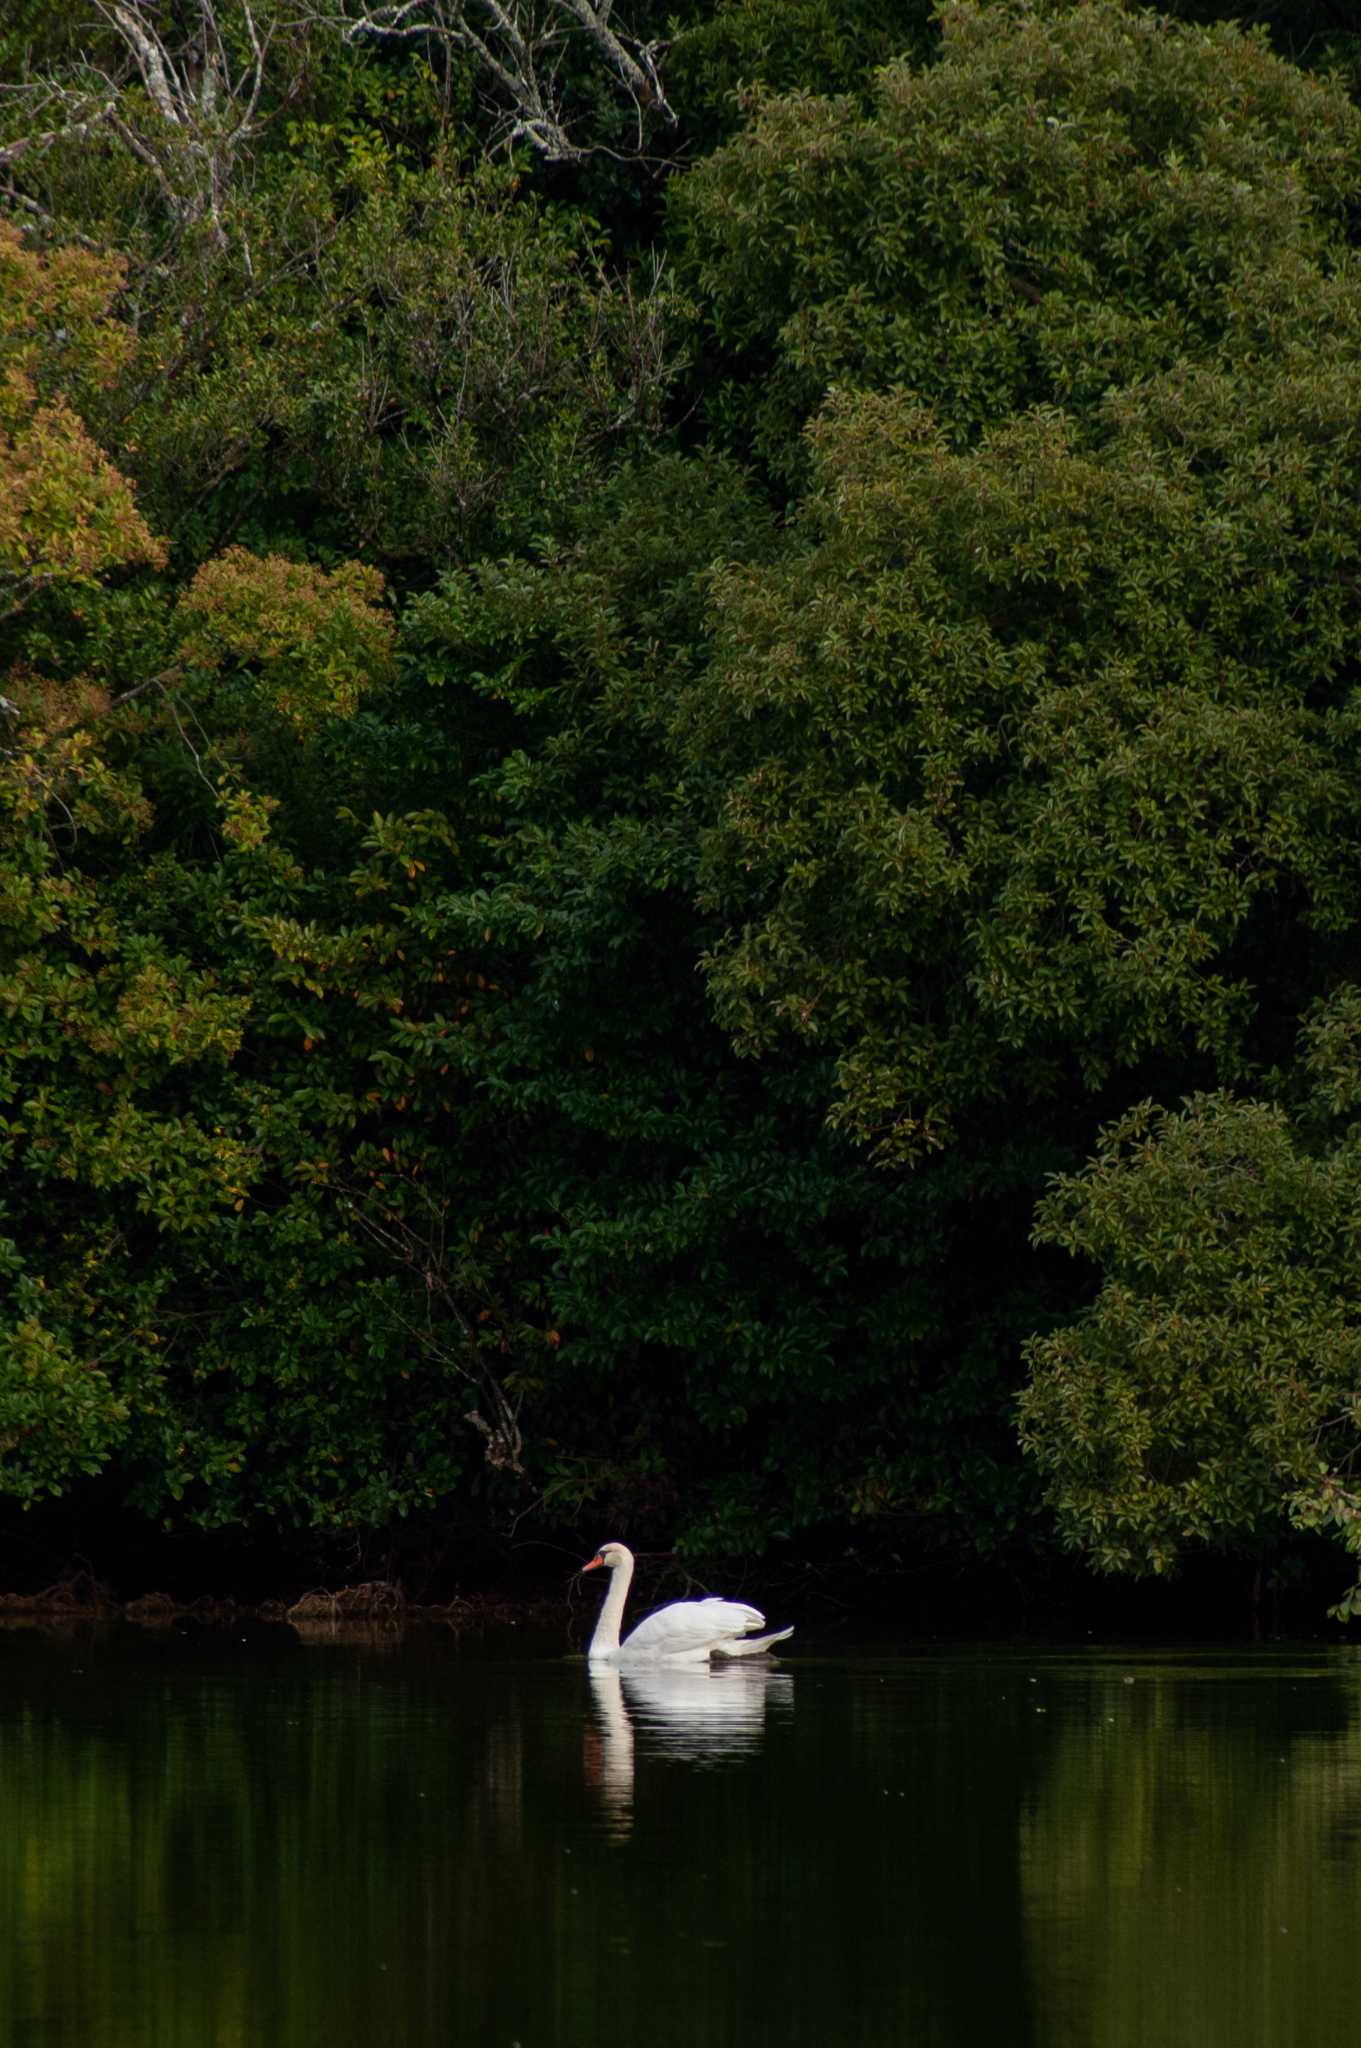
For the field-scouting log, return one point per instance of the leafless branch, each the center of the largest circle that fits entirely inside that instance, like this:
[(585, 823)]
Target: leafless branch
[(152, 61), (159, 682), (520, 44), (187, 108), (200, 112)]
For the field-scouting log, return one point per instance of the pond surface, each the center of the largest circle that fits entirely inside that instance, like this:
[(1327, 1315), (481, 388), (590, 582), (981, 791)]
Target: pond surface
[(207, 1840)]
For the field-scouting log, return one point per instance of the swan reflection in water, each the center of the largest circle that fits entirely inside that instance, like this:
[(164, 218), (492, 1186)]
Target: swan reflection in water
[(694, 1713)]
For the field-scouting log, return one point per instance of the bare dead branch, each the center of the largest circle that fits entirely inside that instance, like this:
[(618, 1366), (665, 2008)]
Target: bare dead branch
[(520, 45), (152, 61), (159, 682), (199, 106), (199, 114)]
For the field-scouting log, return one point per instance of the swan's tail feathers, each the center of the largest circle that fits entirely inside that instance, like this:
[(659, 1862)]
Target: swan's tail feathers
[(751, 1646)]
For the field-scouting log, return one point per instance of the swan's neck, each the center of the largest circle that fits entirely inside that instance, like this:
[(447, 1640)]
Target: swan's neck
[(605, 1641)]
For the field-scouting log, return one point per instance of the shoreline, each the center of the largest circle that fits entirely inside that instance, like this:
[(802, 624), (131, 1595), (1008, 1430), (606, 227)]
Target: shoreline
[(372, 1603)]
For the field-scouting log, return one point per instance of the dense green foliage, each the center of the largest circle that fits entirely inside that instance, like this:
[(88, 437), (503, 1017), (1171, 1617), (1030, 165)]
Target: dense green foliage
[(1215, 1377), (610, 760)]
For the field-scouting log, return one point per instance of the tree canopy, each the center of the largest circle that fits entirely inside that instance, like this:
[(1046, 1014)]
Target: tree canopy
[(656, 740)]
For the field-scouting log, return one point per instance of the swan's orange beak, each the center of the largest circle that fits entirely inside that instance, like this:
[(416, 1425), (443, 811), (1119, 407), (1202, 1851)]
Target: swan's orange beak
[(593, 1563)]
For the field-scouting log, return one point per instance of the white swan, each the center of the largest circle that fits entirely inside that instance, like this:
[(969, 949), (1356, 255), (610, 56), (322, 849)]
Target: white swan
[(686, 1632)]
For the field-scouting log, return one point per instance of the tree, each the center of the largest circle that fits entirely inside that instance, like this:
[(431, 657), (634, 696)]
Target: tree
[(1033, 743), (184, 108), (1211, 1394), (759, 1332), (66, 514), (254, 1259), (551, 942), (194, 1152), (519, 48), (1065, 202), (186, 98), (727, 54)]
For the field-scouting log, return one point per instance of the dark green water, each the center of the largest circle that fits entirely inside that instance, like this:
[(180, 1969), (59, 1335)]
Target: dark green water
[(214, 1843)]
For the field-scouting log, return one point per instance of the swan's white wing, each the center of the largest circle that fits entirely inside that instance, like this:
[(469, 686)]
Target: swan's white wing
[(690, 1628)]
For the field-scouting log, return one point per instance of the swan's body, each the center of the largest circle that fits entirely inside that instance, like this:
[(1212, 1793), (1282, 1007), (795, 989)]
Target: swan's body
[(686, 1632)]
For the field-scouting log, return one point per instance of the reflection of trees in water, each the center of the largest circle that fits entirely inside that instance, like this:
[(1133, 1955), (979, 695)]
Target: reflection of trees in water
[(1180, 1860), (324, 1846), (185, 1849), (218, 1843)]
